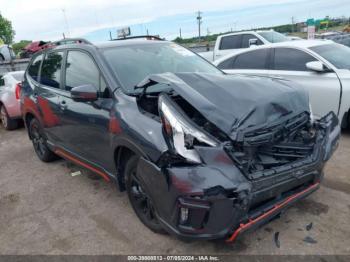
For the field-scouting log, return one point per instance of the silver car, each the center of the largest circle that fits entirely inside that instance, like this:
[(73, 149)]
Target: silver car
[(321, 67), (10, 112)]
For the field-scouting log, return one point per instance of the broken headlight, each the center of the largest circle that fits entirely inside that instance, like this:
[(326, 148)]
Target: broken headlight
[(180, 132)]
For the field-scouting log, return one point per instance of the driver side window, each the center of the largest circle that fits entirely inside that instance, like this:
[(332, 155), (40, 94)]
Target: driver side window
[(81, 70)]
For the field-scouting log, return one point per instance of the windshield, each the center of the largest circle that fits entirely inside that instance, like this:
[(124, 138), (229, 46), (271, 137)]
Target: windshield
[(338, 55), (133, 63), (273, 37)]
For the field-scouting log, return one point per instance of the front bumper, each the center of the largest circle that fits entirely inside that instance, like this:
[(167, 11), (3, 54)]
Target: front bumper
[(220, 201), (271, 212)]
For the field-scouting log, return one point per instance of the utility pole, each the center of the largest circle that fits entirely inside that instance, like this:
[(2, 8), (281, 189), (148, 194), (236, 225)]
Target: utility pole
[(147, 31), (292, 24), (180, 33), (199, 20)]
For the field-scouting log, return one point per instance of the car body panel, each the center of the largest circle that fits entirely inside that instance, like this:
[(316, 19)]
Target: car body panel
[(219, 195), (328, 90), (8, 96)]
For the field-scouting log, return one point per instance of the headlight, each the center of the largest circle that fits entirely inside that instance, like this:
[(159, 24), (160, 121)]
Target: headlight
[(311, 114), (181, 133)]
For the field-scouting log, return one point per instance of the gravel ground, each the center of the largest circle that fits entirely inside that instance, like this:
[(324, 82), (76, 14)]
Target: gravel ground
[(44, 210)]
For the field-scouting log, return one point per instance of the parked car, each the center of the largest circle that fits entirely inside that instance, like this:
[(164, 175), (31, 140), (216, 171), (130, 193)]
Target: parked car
[(6, 53), (321, 67), (201, 154), (34, 47), (235, 42), (10, 113)]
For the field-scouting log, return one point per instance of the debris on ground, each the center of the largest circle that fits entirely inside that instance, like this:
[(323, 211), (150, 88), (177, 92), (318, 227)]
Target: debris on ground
[(75, 173), (310, 240), (277, 241), (309, 227)]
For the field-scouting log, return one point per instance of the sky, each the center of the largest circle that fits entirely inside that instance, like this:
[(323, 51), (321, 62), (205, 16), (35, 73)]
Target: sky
[(94, 19)]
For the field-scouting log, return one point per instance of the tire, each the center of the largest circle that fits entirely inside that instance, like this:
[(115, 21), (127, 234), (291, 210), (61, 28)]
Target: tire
[(140, 201), (2, 59), (39, 141), (6, 121)]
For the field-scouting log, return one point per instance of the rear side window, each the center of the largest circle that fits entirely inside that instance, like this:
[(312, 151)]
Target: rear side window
[(289, 59), (2, 81), (51, 69), (82, 70), (256, 59), (247, 37), (227, 64), (33, 69), (230, 42)]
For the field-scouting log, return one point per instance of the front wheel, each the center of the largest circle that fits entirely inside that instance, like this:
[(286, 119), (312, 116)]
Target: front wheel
[(39, 141), (139, 199), (6, 121)]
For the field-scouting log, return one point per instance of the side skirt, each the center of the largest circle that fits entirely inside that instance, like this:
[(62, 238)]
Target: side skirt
[(81, 162)]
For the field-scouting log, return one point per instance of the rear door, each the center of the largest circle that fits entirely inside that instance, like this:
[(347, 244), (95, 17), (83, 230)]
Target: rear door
[(47, 94), (323, 88), (255, 62), (86, 124)]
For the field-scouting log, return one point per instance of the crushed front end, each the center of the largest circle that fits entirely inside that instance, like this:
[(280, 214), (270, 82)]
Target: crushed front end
[(234, 160), (242, 184)]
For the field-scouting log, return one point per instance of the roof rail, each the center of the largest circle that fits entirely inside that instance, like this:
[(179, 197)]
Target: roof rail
[(66, 41), (148, 37)]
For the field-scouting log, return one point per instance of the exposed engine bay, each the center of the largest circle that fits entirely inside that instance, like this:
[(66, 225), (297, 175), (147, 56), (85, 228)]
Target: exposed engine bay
[(259, 151)]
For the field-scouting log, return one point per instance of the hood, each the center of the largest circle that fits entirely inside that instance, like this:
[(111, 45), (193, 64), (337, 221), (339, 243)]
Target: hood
[(236, 102)]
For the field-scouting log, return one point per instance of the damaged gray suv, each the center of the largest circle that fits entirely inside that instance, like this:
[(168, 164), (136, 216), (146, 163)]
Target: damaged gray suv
[(201, 154)]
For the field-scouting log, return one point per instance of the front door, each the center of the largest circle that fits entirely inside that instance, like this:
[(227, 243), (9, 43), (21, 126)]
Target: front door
[(86, 124)]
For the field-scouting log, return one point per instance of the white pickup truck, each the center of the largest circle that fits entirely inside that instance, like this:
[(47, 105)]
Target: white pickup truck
[(235, 42)]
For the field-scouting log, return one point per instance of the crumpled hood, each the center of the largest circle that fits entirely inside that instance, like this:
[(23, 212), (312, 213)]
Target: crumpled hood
[(235, 102)]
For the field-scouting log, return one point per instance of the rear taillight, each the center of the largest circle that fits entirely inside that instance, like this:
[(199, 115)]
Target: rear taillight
[(18, 91)]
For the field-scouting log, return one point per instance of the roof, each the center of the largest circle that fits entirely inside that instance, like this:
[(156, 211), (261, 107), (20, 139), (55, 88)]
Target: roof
[(126, 42), (300, 43), (247, 32), (293, 44)]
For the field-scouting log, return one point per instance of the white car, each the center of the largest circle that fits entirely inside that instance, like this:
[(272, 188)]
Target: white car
[(236, 42), (321, 67), (10, 112), (6, 53)]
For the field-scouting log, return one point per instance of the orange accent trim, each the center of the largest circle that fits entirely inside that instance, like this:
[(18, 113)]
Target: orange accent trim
[(77, 161), (276, 207)]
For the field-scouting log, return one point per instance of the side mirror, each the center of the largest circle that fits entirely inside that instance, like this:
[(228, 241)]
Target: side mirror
[(84, 93), (253, 41), (316, 66)]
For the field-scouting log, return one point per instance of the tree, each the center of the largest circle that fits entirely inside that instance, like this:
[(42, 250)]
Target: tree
[(17, 47), (6, 32)]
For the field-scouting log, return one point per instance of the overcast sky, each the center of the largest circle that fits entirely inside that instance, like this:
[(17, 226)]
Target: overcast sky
[(47, 20)]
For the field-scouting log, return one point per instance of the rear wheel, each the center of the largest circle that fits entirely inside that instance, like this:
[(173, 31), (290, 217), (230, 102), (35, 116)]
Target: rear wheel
[(40, 142), (6, 121), (139, 199)]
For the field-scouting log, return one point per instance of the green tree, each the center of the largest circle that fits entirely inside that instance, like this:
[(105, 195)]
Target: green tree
[(17, 47), (6, 32)]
